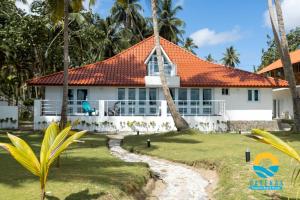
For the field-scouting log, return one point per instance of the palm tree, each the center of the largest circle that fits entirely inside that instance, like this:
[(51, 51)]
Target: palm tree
[(231, 57), (60, 10), (180, 123), (54, 143), (283, 48), (209, 58), (190, 45), (113, 41), (170, 27), (127, 13)]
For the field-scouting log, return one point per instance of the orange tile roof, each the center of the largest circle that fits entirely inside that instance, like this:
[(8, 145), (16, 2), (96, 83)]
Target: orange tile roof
[(128, 69), (295, 58)]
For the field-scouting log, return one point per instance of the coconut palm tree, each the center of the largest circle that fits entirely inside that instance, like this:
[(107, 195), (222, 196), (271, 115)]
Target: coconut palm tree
[(231, 57), (127, 13), (180, 123), (170, 27), (283, 49), (59, 10), (190, 45), (209, 58)]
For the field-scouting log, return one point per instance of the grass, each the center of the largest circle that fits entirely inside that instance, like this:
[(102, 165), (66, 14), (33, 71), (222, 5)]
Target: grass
[(88, 171), (225, 153)]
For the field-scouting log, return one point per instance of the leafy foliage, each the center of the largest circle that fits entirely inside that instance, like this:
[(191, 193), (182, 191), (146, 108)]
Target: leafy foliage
[(271, 54), (231, 57)]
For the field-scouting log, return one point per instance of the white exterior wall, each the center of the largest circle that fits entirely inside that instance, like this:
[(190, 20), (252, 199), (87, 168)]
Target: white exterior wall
[(9, 117), (284, 103), (238, 108)]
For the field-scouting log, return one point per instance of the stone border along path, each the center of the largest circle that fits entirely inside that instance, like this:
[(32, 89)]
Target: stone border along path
[(181, 182)]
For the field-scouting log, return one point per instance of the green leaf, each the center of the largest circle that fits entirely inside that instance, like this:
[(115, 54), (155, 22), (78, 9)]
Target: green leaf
[(49, 137), (25, 160), (56, 152), (276, 142)]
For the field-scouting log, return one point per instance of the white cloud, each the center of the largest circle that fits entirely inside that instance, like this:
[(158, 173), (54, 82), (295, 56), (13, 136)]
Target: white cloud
[(291, 14), (24, 7), (179, 3), (208, 37)]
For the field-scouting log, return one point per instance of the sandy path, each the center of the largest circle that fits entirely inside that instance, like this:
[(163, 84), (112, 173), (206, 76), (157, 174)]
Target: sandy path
[(181, 182)]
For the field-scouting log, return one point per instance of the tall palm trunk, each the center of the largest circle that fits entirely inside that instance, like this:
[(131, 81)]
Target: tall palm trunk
[(64, 106), (180, 123), (283, 49)]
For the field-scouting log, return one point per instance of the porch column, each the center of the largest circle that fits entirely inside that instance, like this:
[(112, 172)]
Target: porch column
[(164, 108), (101, 108), (36, 114)]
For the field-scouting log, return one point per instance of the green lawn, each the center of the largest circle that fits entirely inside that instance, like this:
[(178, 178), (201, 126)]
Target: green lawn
[(225, 152), (88, 171)]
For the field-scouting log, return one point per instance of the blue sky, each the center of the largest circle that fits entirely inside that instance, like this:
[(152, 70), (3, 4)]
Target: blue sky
[(217, 24)]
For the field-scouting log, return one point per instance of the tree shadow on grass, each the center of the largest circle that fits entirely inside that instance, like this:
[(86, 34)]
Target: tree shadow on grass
[(277, 196), (82, 195)]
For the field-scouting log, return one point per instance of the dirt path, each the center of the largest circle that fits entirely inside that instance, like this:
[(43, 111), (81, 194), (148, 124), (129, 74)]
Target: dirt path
[(180, 182)]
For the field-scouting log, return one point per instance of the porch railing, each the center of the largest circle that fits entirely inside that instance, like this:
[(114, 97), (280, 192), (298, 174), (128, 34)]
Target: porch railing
[(134, 107)]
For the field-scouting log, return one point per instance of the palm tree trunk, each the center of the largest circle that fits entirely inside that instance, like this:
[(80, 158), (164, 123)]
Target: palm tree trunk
[(180, 123), (283, 49), (64, 118)]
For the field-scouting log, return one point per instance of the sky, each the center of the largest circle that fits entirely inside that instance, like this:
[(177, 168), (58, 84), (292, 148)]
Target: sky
[(218, 24)]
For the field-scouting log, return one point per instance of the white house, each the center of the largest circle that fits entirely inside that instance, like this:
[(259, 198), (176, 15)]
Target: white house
[(125, 93), (282, 100)]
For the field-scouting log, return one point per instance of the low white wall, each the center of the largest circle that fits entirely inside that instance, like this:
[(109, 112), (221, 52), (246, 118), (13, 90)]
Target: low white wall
[(9, 117), (136, 123)]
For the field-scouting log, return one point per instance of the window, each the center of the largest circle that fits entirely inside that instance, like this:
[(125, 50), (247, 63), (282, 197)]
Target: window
[(182, 96), (142, 96), (207, 96), (152, 96), (249, 95), (253, 95), (195, 96), (82, 94), (121, 98), (71, 97), (225, 91), (131, 95), (131, 98), (121, 94), (153, 69), (173, 94)]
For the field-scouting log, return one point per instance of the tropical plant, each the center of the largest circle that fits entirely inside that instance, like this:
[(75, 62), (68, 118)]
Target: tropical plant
[(190, 45), (209, 58), (54, 143), (271, 54), (170, 27), (283, 49), (60, 11), (179, 122), (231, 57), (268, 138)]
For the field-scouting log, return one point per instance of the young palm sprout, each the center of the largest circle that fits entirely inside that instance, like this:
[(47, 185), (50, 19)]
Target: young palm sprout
[(54, 143)]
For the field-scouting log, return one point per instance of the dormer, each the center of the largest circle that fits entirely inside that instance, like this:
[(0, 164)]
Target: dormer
[(153, 79)]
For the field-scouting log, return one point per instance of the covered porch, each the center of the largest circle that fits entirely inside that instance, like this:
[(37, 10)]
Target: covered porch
[(132, 115)]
